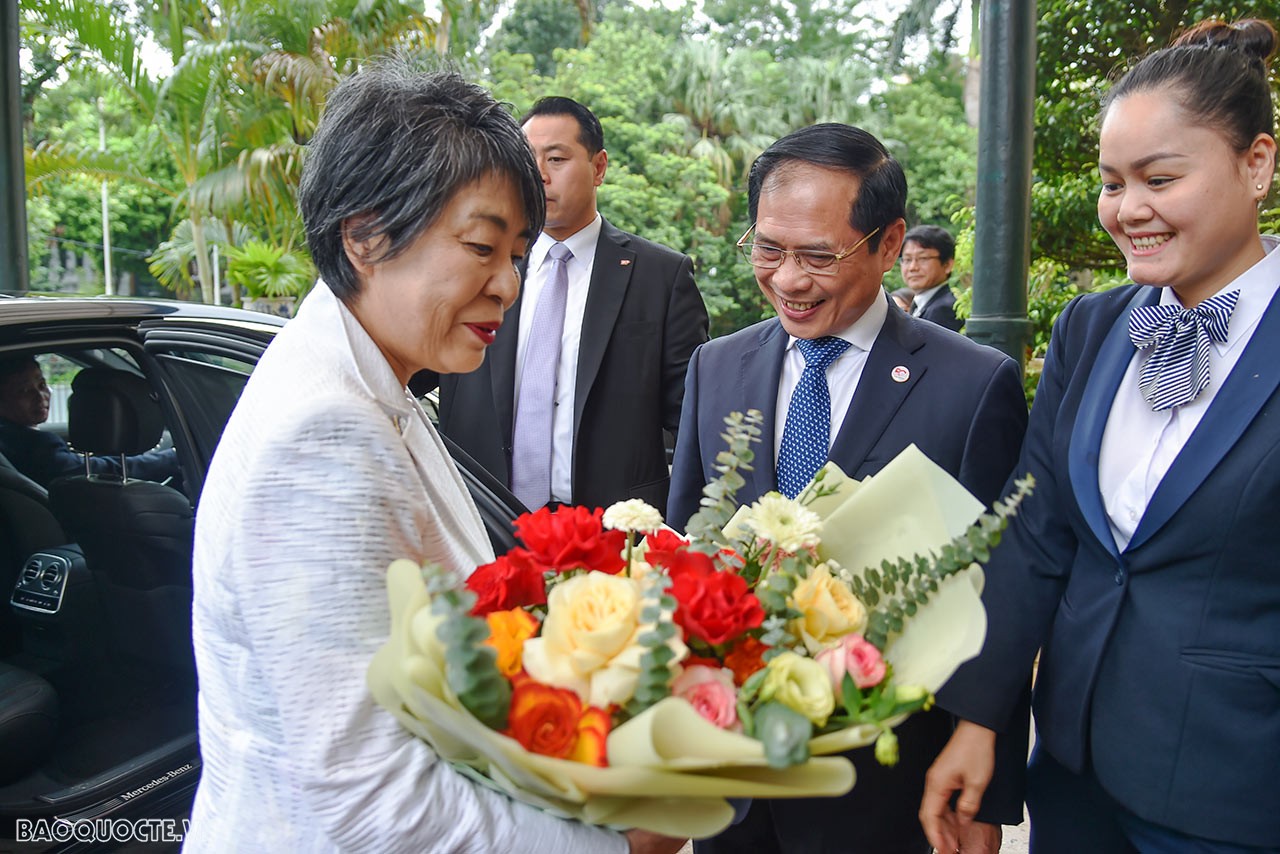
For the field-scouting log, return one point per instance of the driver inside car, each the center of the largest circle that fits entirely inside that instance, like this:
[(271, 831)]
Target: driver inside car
[(44, 456)]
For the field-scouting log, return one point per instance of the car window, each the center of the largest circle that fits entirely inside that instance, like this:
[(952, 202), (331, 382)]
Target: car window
[(206, 388)]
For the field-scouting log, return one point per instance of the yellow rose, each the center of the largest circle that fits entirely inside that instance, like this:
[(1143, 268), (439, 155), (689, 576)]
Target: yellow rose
[(801, 684), (829, 610), (588, 643)]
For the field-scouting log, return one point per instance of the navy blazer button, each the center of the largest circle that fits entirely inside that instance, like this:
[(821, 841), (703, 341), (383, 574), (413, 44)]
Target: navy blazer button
[(1119, 576)]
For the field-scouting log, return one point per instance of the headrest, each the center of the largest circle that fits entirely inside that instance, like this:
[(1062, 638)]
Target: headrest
[(113, 412)]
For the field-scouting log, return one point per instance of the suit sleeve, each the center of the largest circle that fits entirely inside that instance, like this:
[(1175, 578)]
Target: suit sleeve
[(995, 434), (686, 330), (990, 454), (1028, 572), (1025, 580), (687, 478)]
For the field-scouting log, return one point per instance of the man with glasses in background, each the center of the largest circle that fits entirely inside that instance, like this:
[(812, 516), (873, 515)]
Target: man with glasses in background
[(839, 375), (928, 254)]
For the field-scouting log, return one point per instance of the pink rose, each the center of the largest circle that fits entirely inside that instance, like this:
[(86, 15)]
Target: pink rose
[(857, 657), (711, 693)]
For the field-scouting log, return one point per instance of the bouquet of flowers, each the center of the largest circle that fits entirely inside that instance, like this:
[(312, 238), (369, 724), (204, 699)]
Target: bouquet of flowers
[(613, 671)]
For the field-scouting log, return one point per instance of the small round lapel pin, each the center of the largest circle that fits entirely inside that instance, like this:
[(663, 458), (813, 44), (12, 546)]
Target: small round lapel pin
[(900, 374)]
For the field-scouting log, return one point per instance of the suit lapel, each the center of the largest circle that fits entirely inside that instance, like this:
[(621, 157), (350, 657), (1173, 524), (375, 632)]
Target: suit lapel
[(878, 396), (1248, 387), (1091, 419), (502, 362), (762, 360), (610, 277)]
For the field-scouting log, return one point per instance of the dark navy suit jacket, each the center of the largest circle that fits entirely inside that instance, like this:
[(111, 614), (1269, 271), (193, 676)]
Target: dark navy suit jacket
[(963, 406), (1161, 662), (942, 310), (44, 456)]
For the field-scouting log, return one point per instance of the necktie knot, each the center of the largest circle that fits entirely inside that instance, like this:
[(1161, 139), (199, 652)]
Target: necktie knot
[(1177, 367), (819, 353), (559, 252)]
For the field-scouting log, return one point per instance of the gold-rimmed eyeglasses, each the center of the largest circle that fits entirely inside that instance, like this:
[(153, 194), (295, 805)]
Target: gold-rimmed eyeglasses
[(766, 257)]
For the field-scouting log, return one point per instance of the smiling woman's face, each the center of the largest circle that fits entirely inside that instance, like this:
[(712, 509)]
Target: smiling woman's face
[(1177, 199), (438, 305)]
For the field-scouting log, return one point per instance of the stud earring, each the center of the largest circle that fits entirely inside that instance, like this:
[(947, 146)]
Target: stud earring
[(1258, 186)]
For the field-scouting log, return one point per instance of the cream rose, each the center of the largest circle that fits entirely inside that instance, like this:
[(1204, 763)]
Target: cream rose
[(801, 684), (589, 639), (829, 610)]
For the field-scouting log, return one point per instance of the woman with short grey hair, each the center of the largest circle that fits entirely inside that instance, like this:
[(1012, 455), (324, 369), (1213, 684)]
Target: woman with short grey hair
[(419, 195)]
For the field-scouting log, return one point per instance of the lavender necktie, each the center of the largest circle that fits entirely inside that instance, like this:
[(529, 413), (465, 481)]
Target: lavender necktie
[(535, 408)]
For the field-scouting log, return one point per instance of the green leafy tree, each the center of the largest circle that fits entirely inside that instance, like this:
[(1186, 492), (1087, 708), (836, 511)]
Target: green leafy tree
[(924, 126), (1081, 46), (537, 28)]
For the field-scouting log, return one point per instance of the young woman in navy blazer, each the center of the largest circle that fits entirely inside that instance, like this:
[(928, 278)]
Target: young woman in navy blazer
[(1145, 567)]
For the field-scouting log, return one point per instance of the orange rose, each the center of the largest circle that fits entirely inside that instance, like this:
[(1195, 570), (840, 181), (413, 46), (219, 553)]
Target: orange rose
[(746, 657), (593, 737), (553, 722), (508, 630)]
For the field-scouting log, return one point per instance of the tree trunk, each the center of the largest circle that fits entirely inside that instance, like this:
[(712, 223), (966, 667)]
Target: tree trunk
[(204, 271)]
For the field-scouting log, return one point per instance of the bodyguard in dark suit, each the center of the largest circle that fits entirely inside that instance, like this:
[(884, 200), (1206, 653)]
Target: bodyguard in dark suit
[(631, 317), (828, 204), (928, 255), (1144, 567)]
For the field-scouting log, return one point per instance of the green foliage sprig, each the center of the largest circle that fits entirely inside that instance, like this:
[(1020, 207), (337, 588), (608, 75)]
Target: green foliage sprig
[(706, 527), (897, 590), (655, 664), (470, 665)]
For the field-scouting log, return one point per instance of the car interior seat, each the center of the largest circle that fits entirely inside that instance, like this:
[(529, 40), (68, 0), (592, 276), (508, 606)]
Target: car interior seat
[(136, 535), (27, 525)]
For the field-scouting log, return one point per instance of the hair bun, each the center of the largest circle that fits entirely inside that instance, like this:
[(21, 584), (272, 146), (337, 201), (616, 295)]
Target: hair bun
[(1251, 36)]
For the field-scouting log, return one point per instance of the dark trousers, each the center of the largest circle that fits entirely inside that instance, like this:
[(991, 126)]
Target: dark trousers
[(880, 815), (1071, 813)]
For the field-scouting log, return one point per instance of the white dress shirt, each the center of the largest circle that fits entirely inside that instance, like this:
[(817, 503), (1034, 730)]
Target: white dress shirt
[(843, 375), (327, 471), (1139, 445), (583, 246)]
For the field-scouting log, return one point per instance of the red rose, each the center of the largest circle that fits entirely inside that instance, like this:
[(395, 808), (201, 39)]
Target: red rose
[(714, 606), (682, 562), (514, 580), (660, 545), (569, 538)]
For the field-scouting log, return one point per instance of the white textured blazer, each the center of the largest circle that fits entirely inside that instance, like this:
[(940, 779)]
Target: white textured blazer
[(328, 470)]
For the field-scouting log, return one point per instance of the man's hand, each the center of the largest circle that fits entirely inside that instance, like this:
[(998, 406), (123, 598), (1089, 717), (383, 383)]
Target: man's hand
[(645, 842), (964, 765), (981, 838)]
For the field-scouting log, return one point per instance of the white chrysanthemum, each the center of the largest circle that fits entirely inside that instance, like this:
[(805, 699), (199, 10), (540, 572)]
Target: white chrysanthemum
[(785, 523), (632, 515)]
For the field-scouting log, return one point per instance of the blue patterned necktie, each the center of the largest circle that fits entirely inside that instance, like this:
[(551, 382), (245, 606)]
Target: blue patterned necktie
[(535, 409), (806, 436), (1179, 338)]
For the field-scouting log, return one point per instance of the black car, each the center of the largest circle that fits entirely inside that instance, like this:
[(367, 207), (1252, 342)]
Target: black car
[(98, 744)]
